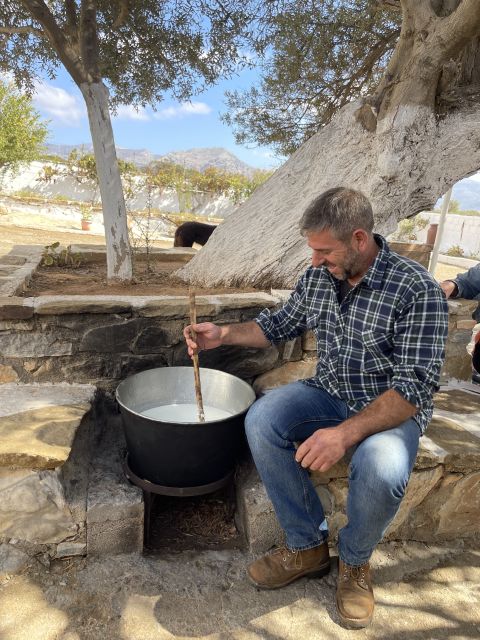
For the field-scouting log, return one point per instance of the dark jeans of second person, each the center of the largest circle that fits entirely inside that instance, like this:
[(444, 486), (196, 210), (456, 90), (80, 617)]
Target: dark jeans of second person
[(378, 474)]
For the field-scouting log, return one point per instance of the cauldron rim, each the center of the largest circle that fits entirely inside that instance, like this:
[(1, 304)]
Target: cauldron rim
[(189, 369)]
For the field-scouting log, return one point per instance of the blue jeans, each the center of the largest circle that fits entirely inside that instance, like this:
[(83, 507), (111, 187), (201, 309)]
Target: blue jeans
[(378, 475)]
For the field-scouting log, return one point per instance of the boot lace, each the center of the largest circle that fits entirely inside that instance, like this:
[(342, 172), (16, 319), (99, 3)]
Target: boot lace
[(286, 554), (356, 573)]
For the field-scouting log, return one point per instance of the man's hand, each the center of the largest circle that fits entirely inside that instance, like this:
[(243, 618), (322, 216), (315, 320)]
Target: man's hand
[(209, 336), (322, 449)]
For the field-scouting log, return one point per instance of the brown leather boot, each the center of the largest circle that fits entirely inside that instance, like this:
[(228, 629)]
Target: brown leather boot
[(282, 566), (355, 601)]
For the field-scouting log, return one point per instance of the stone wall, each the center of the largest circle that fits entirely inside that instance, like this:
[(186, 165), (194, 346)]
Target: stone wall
[(103, 339)]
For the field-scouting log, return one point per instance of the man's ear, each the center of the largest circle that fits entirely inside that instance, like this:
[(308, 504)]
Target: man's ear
[(360, 239)]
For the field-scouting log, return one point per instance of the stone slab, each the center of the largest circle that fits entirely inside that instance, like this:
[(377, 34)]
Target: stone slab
[(210, 305), (38, 423), (70, 549), (63, 305), (13, 308), (26, 345)]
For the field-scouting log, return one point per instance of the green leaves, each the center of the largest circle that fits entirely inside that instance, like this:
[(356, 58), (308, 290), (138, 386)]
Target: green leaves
[(22, 132), (321, 56)]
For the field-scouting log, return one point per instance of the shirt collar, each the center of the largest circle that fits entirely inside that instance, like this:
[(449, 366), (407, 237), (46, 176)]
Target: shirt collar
[(374, 276)]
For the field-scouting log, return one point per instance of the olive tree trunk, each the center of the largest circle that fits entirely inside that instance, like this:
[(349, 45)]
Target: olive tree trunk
[(403, 147), (119, 263)]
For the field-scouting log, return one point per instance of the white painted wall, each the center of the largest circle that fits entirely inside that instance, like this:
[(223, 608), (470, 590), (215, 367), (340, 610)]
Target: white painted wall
[(463, 231), (202, 204)]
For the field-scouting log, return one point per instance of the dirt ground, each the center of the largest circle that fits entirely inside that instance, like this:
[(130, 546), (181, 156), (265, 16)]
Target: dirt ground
[(90, 281)]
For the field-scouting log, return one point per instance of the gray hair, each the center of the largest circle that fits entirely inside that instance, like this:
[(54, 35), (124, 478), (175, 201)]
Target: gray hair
[(339, 210)]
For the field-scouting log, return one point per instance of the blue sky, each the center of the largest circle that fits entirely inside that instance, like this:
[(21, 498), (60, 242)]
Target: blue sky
[(173, 127)]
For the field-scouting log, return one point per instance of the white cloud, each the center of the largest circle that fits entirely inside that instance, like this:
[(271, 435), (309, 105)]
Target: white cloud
[(129, 112), (183, 110), (476, 177), (58, 103)]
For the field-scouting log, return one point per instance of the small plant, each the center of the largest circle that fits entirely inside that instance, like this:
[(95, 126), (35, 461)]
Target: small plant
[(53, 256), (455, 251), (407, 229), (87, 211)]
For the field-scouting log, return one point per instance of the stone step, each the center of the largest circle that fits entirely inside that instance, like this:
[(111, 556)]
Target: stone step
[(38, 423), (62, 489), (442, 501), (43, 430)]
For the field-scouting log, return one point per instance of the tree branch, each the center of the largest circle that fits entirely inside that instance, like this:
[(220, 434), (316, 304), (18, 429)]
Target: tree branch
[(419, 11), (89, 39), (22, 31), (67, 53), (122, 15), (456, 30)]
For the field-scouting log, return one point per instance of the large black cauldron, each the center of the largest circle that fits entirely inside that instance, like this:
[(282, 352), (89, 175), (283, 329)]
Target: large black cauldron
[(182, 454)]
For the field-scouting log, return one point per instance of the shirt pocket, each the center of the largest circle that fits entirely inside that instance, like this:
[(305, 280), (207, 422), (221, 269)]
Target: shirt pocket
[(377, 353)]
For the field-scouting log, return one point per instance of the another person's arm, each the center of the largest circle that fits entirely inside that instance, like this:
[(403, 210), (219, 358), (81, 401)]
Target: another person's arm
[(465, 285)]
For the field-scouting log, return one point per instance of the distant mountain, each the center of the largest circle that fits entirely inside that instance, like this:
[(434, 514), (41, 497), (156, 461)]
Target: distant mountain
[(199, 158)]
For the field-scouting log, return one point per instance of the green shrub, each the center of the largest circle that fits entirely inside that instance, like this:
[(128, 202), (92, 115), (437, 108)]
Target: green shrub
[(455, 251)]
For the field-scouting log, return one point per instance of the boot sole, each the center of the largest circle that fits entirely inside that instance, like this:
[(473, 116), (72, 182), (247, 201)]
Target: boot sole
[(316, 573), (354, 623)]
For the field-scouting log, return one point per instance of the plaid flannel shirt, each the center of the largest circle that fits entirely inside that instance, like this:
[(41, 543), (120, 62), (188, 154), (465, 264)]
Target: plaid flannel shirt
[(388, 332)]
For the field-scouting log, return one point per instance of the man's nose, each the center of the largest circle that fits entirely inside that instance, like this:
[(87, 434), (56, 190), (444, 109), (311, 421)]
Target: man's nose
[(317, 260)]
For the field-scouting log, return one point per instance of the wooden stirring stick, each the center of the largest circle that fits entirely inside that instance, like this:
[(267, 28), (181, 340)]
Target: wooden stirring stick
[(196, 368)]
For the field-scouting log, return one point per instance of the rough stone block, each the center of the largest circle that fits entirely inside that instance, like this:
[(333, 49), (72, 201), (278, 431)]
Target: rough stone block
[(33, 507), (461, 307), (33, 345), (112, 337), (114, 507), (288, 372), (239, 361), (12, 560), (7, 374), (16, 308), (421, 483), (38, 423), (255, 517), (70, 549), (291, 350), (309, 342), (451, 511)]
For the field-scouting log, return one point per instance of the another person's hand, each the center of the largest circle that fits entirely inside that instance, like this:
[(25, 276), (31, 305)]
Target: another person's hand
[(208, 337), (473, 347), (322, 449), (449, 287)]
